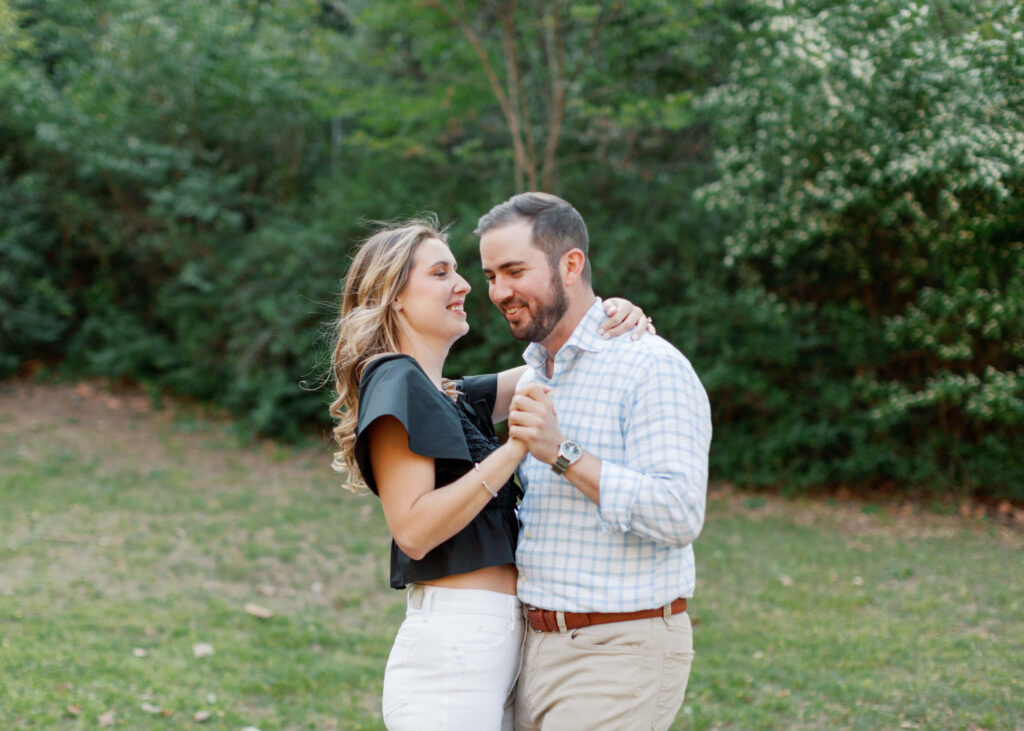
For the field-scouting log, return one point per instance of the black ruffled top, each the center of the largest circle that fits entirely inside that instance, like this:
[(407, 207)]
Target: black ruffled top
[(455, 433)]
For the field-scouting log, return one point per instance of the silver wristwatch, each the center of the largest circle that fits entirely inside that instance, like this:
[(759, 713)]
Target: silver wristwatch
[(569, 453)]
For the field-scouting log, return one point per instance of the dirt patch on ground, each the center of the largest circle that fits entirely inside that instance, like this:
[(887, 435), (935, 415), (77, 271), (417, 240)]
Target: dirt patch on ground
[(90, 416), (859, 517), (122, 436)]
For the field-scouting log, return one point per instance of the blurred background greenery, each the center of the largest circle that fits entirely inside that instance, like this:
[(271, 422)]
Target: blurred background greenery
[(821, 203)]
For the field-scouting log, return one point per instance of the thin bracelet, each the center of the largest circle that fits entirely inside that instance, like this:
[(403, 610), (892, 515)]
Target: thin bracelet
[(476, 466)]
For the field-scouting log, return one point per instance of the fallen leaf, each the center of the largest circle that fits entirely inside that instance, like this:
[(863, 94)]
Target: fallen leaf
[(75, 710), (140, 652), (857, 581), (202, 649), (200, 716), (785, 580), (150, 708), (107, 719), (257, 611)]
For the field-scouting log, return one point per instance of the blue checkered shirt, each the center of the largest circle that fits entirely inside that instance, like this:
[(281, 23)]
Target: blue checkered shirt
[(639, 407)]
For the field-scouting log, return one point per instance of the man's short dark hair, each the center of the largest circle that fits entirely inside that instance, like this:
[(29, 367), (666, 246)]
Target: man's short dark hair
[(556, 226)]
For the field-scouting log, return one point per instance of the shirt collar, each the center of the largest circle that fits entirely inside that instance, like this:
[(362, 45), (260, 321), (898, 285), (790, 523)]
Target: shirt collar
[(584, 337)]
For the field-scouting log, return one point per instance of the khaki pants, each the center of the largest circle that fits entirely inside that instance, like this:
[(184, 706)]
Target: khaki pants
[(620, 676)]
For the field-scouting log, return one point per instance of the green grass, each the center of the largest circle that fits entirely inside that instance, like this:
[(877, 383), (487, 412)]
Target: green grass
[(125, 540), (800, 630)]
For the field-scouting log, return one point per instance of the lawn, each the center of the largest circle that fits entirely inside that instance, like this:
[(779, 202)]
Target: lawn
[(141, 551)]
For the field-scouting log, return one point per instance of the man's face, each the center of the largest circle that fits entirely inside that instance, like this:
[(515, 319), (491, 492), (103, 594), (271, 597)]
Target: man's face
[(521, 282)]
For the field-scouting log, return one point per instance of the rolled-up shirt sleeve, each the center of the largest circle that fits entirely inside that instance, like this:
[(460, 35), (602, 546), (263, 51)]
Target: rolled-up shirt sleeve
[(661, 490)]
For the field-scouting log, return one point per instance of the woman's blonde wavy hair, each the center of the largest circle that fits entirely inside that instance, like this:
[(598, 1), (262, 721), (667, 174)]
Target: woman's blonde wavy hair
[(367, 328)]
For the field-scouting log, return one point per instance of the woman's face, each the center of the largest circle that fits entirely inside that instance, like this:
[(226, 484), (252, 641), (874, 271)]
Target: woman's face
[(432, 301)]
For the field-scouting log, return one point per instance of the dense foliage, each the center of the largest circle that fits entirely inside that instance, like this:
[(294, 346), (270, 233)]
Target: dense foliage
[(180, 184), (871, 162)]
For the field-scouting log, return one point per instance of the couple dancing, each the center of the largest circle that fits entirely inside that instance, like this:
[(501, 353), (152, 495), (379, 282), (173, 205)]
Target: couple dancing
[(571, 614)]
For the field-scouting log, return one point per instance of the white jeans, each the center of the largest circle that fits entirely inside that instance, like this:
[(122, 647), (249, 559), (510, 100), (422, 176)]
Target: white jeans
[(455, 661)]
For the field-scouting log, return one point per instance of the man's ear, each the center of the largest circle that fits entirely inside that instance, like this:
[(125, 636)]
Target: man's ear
[(573, 262)]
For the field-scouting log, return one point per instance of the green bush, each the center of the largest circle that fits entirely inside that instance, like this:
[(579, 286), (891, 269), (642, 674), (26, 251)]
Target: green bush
[(871, 161), (34, 308), (147, 228)]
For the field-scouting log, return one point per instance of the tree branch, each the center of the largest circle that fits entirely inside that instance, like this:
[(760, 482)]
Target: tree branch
[(457, 15), (555, 52), (516, 96)]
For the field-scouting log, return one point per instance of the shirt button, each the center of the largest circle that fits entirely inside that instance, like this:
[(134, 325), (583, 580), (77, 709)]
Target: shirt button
[(528, 534)]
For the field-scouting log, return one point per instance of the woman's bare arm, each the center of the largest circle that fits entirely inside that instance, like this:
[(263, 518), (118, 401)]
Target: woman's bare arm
[(420, 517)]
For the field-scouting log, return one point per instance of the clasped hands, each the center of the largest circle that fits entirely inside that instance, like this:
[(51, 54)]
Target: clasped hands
[(533, 421)]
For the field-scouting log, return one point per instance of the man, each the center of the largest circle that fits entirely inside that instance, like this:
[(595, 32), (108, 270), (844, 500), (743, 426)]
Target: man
[(618, 432)]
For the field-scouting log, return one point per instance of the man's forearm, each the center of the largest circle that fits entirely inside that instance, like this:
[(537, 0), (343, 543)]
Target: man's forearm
[(664, 509), (666, 505)]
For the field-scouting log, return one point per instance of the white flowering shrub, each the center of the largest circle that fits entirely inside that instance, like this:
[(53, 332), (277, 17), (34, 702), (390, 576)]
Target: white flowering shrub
[(871, 168)]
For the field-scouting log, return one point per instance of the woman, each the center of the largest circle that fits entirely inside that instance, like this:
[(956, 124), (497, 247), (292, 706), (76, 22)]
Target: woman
[(427, 447)]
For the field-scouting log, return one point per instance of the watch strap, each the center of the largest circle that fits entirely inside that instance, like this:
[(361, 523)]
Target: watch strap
[(569, 453)]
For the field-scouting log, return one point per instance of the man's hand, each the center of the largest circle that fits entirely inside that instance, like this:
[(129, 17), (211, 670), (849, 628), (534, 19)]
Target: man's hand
[(532, 420)]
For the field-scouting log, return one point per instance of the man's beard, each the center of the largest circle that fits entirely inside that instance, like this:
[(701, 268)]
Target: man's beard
[(547, 315)]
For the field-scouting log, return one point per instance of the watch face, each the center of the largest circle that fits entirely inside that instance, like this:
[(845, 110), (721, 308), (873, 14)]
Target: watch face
[(571, 451)]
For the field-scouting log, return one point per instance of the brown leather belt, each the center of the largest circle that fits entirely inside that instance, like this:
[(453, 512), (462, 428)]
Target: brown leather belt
[(543, 620)]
